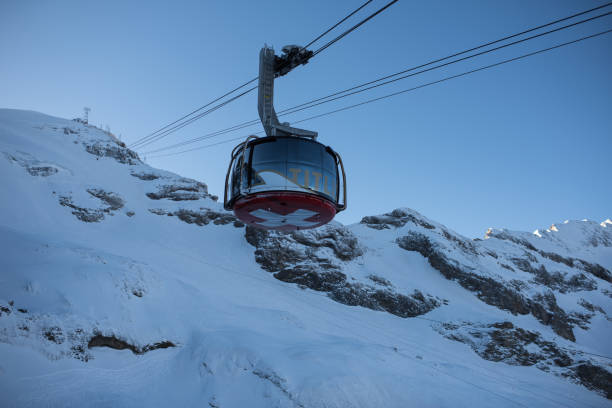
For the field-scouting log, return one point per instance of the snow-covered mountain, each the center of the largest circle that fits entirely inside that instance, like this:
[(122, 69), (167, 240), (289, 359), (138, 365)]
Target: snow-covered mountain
[(125, 285)]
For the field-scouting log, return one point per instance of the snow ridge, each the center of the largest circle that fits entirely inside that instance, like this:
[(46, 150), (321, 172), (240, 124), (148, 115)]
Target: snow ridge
[(125, 285)]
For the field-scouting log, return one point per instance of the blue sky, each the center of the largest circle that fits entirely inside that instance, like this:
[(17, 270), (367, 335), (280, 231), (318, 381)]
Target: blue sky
[(519, 146)]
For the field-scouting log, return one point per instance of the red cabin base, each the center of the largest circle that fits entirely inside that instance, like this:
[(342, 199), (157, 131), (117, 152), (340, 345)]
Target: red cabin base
[(284, 211)]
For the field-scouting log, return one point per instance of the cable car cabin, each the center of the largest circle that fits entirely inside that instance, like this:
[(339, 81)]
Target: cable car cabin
[(285, 183), (287, 180)]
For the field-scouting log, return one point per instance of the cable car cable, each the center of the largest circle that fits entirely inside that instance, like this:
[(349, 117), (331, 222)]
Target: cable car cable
[(454, 76), (365, 20), (405, 90), (197, 110), (459, 53), (337, 24), (165, 131), (343, 93), (193, 119), (312, 104), (453, 62)]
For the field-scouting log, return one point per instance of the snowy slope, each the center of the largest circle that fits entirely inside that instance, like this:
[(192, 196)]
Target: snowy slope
[(125, 285)]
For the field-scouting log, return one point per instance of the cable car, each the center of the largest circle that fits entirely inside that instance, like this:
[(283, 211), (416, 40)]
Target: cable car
[(286, 180)]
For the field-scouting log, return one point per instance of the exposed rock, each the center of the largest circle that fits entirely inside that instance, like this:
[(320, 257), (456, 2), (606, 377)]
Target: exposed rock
[(115, 151), (355, 294), (193, 190), (596, 270), (557, 258), (277, 381), (146, 176), (396, 218), (205, 216), (83, 214), (118, 344), (112, 203), (557, 281), (594, 378), (202, 217), (112, 200), (340, 240), (505, 235), (523, 264), (544, 307), (506, 343), (579, 319), (379, 280), (311, 258), (4, 310), (54, 334), (69, 131), (590, 307), (33, 166), (489, 290), (503, 342), (278, 251)]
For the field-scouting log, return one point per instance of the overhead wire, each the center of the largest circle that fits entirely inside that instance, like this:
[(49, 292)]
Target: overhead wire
[(451, 62), (355, 89), (166, 130), (353, 28), (409, 89), (193, 119), (457, 54), (454, 76), (337, 24), (139, 141)]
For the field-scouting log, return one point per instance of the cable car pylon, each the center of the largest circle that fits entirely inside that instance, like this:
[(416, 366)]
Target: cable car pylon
[(286, 180)]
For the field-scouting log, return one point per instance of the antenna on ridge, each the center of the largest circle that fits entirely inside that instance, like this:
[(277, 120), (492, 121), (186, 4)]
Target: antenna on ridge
[(86, 111)]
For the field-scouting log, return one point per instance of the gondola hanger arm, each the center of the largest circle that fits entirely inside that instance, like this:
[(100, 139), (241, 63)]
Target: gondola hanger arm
[(272, 66)]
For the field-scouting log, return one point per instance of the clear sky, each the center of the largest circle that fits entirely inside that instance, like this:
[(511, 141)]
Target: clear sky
[(519, 146)]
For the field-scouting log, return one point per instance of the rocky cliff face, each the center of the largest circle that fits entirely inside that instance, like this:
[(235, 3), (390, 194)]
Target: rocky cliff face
[(103, 251), (515, 272), (315, 259)]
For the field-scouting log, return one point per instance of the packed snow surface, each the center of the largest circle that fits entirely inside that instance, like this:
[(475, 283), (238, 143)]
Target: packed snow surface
[(125, 285)]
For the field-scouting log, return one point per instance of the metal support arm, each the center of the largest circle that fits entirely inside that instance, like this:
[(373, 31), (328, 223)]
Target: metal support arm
[(270, 67)]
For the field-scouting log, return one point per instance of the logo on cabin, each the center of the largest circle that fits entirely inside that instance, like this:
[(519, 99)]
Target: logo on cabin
[(300, 179), (297, 218)]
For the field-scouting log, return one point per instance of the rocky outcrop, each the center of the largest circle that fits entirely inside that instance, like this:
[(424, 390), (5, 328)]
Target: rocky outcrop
[(145, 176), (32, 165), (313, 259), (111, 203), (182, 190), (396, 218), (58, 341), (82, 213), (99, 340), (113, 150), (318, 249), (595, 239), (504, 342), (278, 382), (201, 217), (495, 292)]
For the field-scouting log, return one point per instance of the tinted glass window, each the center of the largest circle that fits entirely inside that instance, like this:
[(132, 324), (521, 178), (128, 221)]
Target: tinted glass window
[(269, 165), (329, 162), (273, 150), (304, 151), (291, 164)]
